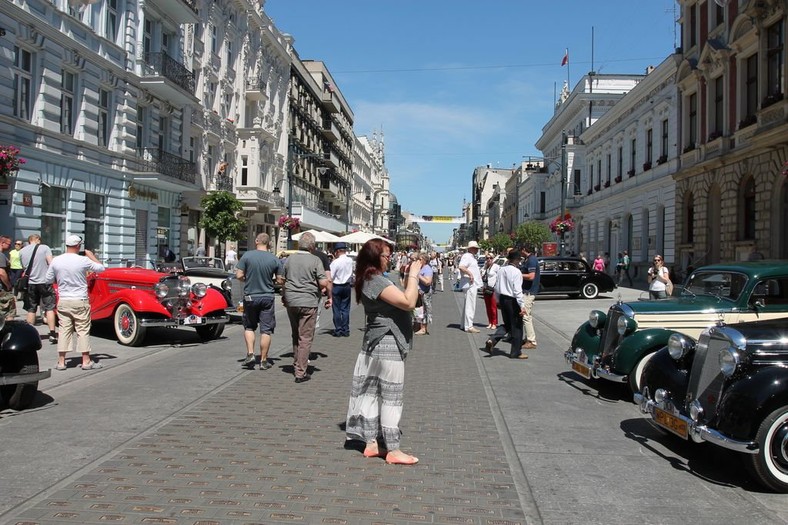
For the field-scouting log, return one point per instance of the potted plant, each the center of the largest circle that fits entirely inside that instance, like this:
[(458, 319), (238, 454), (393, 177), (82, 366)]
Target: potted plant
[(631, 173), (291, 223), (561, 225), (646, 166), (10, 161)]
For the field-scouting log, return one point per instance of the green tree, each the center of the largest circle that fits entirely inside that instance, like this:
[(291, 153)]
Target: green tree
[(500, 241), (220, 217), (532, 233)]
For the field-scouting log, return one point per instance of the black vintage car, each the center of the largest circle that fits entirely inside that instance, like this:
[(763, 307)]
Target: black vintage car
[(729, 388), (572, 276), (19, 373)]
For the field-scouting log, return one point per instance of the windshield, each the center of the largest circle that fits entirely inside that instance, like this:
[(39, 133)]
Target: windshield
[(202, 262), (723, 285)]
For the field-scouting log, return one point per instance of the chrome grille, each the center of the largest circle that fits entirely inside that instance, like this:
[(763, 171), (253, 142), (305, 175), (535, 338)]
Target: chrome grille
[(611, 337), (706, 380)]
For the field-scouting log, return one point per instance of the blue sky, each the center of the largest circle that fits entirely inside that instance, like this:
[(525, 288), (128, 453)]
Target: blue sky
[(456, 84)]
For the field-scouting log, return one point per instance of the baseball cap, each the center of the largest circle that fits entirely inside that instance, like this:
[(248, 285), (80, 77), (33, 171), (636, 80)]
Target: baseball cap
[(73, 240)]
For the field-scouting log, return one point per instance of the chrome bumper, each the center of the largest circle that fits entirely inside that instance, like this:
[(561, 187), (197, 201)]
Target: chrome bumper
[(697, 432), (578, 358), (183, 321)]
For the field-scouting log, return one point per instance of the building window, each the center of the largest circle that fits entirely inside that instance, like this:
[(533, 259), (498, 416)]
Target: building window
[(751, 86), (244, 171), (590, 178), (67, 94), (147, 37), (141, 126), (747, 207), (111, 21), (620, 163), (191, 149), (94, 222), (718, 15), (209, 161), (609, 168), (693, 25), (104, 124), (692, 121), (774, 61), (719, 107), (214, 39), (576, 181), (599, 171), (23, 75), (632, 154), (663, 147), (649, 145), (163, 230), (53, 216), (229, 48)]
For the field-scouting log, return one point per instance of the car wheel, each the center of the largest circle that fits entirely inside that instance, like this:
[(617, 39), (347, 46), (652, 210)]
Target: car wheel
[(210, 332), (20, 396), (770, 465), (128, 329), (636, 376), (590, 291)]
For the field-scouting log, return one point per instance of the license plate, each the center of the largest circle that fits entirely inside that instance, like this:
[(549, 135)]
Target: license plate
[(671, 423), (581, 369), (193, 319)]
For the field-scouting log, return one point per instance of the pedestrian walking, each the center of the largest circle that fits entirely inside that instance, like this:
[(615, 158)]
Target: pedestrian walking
[(304, 282), (36, 258), (489, 278), (531, 277), (426, 280), (626, 262), (231, 258), (470, 282), (7, 297), (70, 271), (510, 296), (375, 406), (342, 276), (258, 269), (15, 265)]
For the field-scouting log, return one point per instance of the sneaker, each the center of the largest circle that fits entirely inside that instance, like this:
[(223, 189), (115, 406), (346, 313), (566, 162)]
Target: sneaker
[(265, 364), (304, 379), (53, 338), (249, 361)]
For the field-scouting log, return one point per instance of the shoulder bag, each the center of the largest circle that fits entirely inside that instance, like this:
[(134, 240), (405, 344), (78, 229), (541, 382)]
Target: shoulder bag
[(24, 279)]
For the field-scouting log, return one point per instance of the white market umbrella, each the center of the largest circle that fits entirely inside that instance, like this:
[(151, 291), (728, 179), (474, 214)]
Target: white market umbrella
[(320, 236), (360, 237)]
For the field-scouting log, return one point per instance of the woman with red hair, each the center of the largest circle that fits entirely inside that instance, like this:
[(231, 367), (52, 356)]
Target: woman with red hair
[(375, 406)]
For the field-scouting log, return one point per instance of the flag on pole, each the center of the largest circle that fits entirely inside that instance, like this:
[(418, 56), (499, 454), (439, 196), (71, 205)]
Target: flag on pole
[(565, 60)]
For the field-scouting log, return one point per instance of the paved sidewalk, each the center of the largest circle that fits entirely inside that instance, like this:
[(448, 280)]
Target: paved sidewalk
[(264, 449)]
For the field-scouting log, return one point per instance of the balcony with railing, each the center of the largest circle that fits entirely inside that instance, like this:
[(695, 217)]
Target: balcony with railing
[(331, 101), (331, 158), (168, 79), (180, 11), (255, 89), (165, 170), (329, 129)]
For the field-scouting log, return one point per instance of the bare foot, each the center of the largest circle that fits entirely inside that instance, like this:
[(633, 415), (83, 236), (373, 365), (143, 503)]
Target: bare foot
[(397, 457)]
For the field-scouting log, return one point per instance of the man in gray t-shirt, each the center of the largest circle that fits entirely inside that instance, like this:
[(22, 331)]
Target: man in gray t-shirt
[(38, 292), (304, 281)]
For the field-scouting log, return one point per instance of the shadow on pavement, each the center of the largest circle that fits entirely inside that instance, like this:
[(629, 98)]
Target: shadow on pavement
[(600, 389)]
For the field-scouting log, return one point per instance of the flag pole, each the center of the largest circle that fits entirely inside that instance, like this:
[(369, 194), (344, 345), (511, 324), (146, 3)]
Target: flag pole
[(568, 83)]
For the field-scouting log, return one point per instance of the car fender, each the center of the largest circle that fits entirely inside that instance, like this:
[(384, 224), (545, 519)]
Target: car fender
[(213, 301), (662, 371), (586, 338), (749, 399), (19, 336), (137, 300), (635, 346)]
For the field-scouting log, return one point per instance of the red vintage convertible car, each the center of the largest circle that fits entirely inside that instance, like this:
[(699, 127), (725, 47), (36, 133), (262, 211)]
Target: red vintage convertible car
[(138, 298)]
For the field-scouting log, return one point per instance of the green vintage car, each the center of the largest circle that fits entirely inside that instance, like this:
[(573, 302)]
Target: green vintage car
[(617, 345)]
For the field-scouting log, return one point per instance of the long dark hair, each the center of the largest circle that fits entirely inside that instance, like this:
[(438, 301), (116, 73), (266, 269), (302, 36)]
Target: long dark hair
[(368, 263)]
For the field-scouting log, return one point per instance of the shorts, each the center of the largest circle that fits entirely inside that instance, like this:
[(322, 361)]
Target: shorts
[(260, 311), (7, 305), (39, 294)]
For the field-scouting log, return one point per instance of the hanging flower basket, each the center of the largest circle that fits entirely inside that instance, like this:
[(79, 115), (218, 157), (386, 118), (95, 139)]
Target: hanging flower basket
[(291, 223), (561, 225), (10, 161)]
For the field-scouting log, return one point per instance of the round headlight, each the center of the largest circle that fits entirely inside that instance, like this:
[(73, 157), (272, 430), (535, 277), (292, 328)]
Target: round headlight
[(597, 319), (660, 394), (227, 285), (678, 346), (199, 289), (161, 290), (625, 324), (184, 286), (696, 411), (729, 360)]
